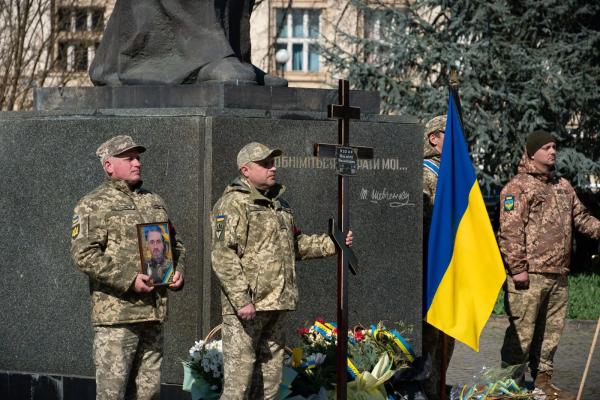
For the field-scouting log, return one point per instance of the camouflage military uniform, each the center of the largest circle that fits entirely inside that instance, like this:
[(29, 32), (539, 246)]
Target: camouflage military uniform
[(430, 177), (432, 342), (429, 186), (253, 255), (537, 216), (105, 247)]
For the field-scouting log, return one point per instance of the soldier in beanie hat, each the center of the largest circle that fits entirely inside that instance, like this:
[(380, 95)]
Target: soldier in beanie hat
[(538, 213), (433, 142), (536, 140), (127, 310), (254, 244)]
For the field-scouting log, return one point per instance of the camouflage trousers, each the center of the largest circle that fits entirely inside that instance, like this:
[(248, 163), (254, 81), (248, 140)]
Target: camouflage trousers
[(537, 318), (253, 356), (432, 346), (127, 359)]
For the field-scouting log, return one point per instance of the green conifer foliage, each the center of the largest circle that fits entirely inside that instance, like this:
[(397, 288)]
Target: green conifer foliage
[(523, 65)]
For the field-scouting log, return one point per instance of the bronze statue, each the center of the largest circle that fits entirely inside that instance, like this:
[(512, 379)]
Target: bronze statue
[(171, 42)]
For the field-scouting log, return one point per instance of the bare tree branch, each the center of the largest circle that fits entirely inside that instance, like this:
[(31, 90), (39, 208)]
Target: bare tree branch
[(28, 43)]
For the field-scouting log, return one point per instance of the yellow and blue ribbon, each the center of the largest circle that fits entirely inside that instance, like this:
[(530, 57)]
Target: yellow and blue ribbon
[(398, 340)]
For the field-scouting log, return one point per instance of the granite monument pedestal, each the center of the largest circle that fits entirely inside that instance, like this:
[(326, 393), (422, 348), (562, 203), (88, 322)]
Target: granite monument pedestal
[(49, 163)]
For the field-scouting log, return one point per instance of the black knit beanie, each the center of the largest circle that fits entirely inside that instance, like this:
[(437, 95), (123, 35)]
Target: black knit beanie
[(536, 140)]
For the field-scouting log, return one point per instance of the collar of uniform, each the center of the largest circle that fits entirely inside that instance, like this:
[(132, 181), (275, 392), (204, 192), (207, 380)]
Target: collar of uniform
[(550, 177), (242, 184), (274, 193), (123, 186), (527, 166)]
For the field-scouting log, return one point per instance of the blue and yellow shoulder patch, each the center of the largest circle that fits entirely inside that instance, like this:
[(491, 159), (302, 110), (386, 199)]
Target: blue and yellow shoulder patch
[(220, 221), (509, 202), (75, 227)]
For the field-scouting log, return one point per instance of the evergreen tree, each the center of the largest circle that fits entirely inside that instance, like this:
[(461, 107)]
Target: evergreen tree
[(523, 65)]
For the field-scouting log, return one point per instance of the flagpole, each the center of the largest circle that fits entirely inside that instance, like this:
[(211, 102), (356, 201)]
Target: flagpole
[(589, 361), (444, 362), (453, 87)]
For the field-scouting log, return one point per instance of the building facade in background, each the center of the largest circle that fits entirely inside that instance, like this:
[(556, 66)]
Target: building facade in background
[(300, 27), (79, 29), (54, 42), (47, 43)]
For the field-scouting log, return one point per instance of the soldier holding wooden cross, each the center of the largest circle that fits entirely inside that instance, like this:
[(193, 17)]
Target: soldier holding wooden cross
[(255, 243)]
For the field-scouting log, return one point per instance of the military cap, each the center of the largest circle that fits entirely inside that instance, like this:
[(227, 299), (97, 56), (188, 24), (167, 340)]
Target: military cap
[(255, 152), (435, 124), (117, 145), (536, 140)]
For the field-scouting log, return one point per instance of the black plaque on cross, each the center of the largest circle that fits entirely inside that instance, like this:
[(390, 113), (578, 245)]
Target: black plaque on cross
[(346, 164)]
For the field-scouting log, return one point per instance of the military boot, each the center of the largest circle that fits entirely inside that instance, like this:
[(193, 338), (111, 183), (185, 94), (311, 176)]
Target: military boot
[(543, 382)]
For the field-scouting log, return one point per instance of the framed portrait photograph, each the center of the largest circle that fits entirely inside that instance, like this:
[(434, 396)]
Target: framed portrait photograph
[(156, 252)]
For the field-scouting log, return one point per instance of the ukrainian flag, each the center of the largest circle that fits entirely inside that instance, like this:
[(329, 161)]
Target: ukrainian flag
[(465, 271)]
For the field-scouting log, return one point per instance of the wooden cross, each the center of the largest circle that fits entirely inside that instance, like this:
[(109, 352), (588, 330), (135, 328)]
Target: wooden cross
[(346, 161)]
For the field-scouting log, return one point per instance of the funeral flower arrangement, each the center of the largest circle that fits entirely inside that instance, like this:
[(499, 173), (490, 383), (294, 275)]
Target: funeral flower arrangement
[(374, 354), (495, 384), (203, 370), (379, 362)]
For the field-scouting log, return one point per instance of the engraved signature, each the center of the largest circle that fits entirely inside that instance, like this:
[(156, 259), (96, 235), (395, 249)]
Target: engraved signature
[(393, 199)]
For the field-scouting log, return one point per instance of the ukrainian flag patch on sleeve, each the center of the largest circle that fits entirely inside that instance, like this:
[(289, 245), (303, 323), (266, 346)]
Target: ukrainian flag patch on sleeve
[(509, 202), (75, 227), (220, 220)]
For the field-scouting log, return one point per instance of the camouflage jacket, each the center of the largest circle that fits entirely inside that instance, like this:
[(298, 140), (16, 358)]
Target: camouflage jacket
[(537, 216), (254, 248), (429, 185), (105, 246)]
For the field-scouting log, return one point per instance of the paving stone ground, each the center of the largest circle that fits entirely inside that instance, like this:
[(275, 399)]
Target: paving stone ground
[(569, 361)]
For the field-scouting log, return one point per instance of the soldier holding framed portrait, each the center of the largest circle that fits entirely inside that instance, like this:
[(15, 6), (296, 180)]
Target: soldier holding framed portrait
[(155, 252), (128, 307)]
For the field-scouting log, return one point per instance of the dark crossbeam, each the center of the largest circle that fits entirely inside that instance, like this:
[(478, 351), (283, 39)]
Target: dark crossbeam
[(346, 161)]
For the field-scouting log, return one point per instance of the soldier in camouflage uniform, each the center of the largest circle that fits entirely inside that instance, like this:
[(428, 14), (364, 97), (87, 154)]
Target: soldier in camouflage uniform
[(433, 141), (127, 311), (254, 247), (539, 211)]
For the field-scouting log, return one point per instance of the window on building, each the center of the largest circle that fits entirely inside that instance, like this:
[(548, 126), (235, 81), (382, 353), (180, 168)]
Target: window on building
[(372, 24), (379, 27), (80, 56), (62, 58), (378, 23), (97, 16), (298, 33), (80, 19), (75, 55), (79, 30), (64, 19)]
